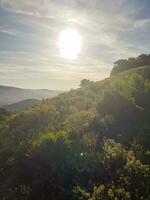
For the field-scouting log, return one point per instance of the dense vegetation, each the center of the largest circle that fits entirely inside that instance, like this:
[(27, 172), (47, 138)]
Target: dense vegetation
[(125, 64), (91, 143)]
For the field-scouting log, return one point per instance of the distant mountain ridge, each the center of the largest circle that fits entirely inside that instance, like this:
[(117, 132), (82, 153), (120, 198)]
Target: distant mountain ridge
[(22, 105), (11, 95)]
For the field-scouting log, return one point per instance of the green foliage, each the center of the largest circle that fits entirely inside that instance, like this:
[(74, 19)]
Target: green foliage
[(85, 82), (128, 177), (80, 194), (126, 64), (91, 143), (3, 114)]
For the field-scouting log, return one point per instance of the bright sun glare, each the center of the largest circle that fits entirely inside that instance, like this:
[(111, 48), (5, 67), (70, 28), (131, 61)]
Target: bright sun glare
[(70, 42)]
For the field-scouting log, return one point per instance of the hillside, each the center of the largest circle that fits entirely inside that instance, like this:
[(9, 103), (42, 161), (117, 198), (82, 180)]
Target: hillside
[(10, 95), (131, 63), (91, 143), (22, 105), (3, 114)]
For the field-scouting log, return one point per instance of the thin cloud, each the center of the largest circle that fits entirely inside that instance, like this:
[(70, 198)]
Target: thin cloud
[(110, 29), (7, 31)]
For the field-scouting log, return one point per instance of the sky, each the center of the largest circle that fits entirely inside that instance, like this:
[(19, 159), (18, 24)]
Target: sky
[(30, 30)]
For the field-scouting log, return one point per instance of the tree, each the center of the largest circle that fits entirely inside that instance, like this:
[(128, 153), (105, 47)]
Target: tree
[(125, 64), (85, 82)]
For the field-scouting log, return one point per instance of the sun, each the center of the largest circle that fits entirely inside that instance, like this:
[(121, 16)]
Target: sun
[(70, 42)]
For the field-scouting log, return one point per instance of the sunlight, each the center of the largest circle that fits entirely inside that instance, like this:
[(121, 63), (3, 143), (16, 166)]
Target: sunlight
[(70, 42)]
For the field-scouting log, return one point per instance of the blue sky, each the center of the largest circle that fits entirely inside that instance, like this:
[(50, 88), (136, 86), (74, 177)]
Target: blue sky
[(29, 32)]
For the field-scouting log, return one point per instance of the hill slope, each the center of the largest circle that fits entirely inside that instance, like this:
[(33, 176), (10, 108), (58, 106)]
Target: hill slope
[(91, 143), (22, 105), (10, 95), (131, 63)]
